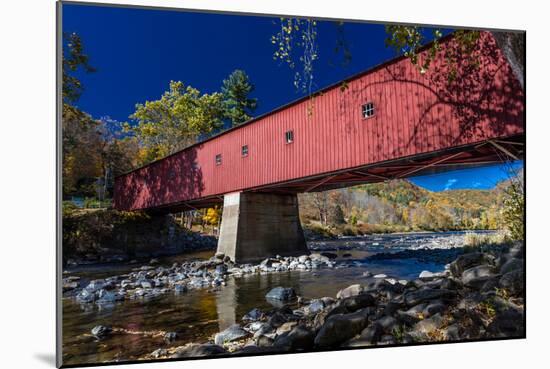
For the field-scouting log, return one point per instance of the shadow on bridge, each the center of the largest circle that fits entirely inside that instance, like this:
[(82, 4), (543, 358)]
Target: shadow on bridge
[(165, 182), (472, 85)]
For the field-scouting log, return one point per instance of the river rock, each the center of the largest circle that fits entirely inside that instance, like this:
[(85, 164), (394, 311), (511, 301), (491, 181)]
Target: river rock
[(314, 307), (372, 333), (357, 302), (170, 336), (146, 284), (299, 338), (508, 323), (330, 255), (340, 327), (426, 326), (467, 261), (253, 315), (233, 333), (277, 319), (353, 290), (286, 327), (158, 353), (319, 258), (434, 307), (281, 294), (85, 296), (477, 276), (198, 350), (101, 331), (108, 297), (263, 329), (407, 318), (264, 341), (387, 339), (513, 282), (388, 323), (428, 276), (511, 265), (220, 270), (180, 288), (422, 295), (95, 285), (69, 285)]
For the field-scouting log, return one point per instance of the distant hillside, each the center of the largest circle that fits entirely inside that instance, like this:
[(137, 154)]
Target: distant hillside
[(400, 205)]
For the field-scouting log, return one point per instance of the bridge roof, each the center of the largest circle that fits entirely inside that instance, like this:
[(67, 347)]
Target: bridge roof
[(331, 86)]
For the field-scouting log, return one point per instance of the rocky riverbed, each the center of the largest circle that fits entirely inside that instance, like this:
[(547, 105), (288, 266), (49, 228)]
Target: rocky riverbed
[(480, 295), (149, 281), (338, 296)]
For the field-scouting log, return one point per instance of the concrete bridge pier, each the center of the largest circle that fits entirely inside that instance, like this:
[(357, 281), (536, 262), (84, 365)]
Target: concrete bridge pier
[(258, 225)]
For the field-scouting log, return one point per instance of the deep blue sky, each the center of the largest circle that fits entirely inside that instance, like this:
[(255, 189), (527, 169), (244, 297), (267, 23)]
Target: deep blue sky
[(137, 52)]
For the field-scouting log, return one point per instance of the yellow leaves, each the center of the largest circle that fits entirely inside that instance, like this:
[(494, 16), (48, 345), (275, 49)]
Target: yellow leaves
[(212, 216), (176, 119)]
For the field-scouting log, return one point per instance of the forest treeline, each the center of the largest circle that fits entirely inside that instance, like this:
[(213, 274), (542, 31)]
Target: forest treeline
[(399, 206)]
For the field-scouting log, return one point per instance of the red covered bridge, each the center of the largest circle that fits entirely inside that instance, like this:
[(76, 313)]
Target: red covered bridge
[(388, 122)]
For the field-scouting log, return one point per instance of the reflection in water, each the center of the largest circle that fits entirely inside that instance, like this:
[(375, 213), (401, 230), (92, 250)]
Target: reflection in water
[(199, 314), (226, 301)]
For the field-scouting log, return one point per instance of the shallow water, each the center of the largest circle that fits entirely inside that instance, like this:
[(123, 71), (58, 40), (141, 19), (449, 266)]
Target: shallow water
[(199, 314)]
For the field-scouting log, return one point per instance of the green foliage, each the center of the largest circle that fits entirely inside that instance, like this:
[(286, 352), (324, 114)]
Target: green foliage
[(408, 40), (353, 219), (93, 203), (514, 209), (296, 43), (175, 121), (74, 58), (237, 106)]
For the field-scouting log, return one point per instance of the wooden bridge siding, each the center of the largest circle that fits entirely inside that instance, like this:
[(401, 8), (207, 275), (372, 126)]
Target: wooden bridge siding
[(333, 137)]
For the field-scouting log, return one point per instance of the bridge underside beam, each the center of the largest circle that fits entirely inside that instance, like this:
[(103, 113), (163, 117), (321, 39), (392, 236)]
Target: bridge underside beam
[(258, 225), (486, 153)]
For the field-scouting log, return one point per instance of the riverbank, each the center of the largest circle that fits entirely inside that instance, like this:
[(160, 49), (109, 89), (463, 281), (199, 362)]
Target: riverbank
[(93, 236)]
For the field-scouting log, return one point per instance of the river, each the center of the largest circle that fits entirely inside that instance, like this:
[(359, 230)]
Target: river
[(198, 314)]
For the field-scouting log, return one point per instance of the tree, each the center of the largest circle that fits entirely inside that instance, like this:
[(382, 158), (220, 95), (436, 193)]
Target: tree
[(74, 59), (81, 136), (118, 156), (212, 216), (297, 38), (336, 215), (321, 203), (514, 208), (82, 143), (175, 121), (237, 106)]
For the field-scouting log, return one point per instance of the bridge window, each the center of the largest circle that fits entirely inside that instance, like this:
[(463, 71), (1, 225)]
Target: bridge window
[(368, 110), (244, 151), (219, 159), (289, 137)]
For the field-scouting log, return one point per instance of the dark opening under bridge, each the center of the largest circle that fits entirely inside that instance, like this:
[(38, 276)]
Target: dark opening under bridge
[(391, 121)]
